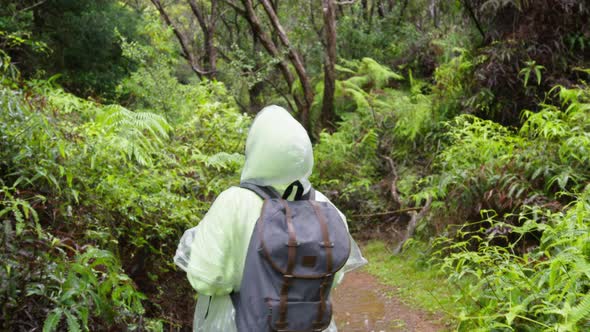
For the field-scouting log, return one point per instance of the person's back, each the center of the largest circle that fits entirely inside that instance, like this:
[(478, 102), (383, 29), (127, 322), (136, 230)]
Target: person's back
[(278, 153)]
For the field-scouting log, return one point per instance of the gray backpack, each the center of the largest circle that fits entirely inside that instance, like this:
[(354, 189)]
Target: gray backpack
[(295, 250)]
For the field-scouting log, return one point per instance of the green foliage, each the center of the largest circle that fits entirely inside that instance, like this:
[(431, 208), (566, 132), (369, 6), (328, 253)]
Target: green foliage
[(348, 160), (485, 165), (454, 82), (414, 281), (531, 67), (545, 289), (94, 195), (109, 190), (82, 39), (135, 135), (46, 278), (370, 73), (92, 285)]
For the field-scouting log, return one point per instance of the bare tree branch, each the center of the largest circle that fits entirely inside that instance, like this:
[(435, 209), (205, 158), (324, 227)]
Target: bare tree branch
[(271, 48), (32, 6), (393, 185), (235, 7), (187, 54), (329, 12), (416, 217), (295, 60), (471, 12), (208, 29)]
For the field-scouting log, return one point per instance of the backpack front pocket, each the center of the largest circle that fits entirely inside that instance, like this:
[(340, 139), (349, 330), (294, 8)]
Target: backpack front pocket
[(296, 316)]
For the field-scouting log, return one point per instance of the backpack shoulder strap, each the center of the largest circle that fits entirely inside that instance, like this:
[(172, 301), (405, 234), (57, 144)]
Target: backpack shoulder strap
[(299, 196), (263, 192), (310, 195)]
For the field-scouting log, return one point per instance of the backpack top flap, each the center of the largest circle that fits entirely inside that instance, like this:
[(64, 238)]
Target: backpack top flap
[(315, 229)]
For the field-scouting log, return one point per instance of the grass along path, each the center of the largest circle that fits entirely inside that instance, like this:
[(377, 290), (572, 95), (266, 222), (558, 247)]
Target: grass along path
[(393, 293)]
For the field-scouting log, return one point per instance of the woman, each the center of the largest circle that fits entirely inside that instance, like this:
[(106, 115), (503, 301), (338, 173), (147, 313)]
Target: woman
[(278, 153)]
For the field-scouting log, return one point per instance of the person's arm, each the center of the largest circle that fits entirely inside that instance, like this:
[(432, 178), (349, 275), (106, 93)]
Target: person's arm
[(206, 253)]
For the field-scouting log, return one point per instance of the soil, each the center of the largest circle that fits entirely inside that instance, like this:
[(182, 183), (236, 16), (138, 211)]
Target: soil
[(363, 304)]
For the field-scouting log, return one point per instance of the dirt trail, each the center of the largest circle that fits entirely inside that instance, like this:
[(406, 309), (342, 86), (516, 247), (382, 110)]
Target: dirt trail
[(363, 304)]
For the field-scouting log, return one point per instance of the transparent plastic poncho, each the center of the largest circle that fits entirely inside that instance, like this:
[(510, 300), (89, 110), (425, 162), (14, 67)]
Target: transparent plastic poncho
[(278, 152)]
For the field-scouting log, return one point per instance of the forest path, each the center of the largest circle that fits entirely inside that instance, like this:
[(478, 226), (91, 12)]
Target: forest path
[(363, 304)]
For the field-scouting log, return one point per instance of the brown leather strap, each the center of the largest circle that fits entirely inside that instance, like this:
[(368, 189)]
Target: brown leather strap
[(325, 236), (292, 255), (328, 247)]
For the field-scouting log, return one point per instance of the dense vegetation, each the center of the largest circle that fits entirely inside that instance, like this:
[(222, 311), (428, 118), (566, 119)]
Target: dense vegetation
[(464, 124)]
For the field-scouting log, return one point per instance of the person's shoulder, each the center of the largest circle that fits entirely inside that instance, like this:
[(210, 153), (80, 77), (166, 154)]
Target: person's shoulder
[(320, 197), (237, 192)]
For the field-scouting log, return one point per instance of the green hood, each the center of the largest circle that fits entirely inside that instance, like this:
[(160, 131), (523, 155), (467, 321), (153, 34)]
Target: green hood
[(278, 150)]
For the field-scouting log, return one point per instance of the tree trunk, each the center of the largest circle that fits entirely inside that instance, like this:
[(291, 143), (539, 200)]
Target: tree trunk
[(433, 10), (297, 63), (208, 29), (184, 44), (381, 9), (210, 41), (271, 48), (415, 219), (328, 116), (402, 12)]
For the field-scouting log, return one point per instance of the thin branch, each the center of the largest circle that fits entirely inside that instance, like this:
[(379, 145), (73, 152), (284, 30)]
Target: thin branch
[(469, 8), (295, 60), (386, 213), (187, 54), (200, 18), (393, 185), (32, 6), (416, 217), (237, 8)]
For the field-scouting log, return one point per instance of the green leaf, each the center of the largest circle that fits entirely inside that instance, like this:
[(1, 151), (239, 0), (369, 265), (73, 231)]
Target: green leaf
[(73, 325), (52, 320)]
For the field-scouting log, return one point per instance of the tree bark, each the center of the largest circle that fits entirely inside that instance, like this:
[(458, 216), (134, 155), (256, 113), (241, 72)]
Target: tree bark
[(328, 115), (381, 9), (208, 29), (416, 217), (402, 12), (271, 48), (433, 10), (210, 41), (183, 41), (297, 63)]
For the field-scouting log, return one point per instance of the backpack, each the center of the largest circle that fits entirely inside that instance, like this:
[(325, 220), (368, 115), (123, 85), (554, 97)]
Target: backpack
[(295, 250)]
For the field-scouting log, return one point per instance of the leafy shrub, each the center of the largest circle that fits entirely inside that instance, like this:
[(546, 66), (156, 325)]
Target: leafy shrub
[(545, 289), (117, 185), (54, 282), (377, 121), (485, 165)]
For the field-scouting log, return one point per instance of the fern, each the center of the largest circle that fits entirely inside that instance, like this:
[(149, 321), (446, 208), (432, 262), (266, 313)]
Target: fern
[(223, 160), (580, 312), (135, 135)]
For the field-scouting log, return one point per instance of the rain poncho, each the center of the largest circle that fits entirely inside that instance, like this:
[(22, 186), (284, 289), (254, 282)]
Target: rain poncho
[(278, 152)]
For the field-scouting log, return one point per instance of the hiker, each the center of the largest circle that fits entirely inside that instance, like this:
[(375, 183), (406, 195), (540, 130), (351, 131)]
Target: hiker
[(275, 273)]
